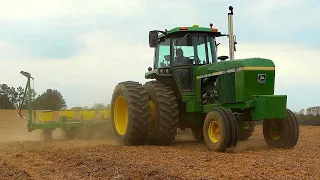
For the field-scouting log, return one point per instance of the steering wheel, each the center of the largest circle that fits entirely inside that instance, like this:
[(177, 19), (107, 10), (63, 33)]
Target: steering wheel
[(194, 60)]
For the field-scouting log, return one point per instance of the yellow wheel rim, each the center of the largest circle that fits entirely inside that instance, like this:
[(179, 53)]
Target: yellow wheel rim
[(214, 132), (120, 115), (153, 114), (274, 134)]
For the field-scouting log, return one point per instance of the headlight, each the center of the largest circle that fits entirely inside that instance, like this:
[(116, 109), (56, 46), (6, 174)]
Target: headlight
[(164, 71)]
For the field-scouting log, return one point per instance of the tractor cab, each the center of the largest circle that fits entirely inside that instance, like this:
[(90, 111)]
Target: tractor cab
[(184, 46), (180, 51), (188, 48)]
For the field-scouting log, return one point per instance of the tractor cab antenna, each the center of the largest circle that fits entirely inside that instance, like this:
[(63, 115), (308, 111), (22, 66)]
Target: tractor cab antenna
[(230, 34)]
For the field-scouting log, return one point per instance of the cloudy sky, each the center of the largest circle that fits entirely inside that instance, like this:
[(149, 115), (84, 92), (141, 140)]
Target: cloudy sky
[(69, 44)]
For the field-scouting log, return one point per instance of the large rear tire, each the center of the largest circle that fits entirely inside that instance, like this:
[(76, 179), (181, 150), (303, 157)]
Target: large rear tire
[(281, 133), (130, 113), (220, 130), (164, 113)]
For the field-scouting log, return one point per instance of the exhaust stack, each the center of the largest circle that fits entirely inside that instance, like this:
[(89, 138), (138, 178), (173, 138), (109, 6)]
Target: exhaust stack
[(231, 36)]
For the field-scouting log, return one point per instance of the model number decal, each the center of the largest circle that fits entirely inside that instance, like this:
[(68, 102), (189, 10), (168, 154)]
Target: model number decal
[(237, 70)]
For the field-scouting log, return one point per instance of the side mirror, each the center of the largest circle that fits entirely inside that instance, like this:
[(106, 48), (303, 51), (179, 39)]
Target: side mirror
[(153, 38), (223, 58)]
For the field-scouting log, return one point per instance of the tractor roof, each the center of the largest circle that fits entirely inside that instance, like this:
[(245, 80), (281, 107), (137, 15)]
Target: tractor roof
[(194, 28)]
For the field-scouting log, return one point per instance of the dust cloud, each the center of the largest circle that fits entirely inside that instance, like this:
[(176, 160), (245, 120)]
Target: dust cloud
[(14, 128)]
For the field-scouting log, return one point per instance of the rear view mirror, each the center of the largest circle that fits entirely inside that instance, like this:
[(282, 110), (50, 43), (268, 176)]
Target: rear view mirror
[(153, 38)]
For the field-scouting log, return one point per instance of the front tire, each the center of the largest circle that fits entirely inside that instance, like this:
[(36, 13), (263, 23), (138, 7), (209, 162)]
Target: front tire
[(281, 133), (220, 130), (130, 113)]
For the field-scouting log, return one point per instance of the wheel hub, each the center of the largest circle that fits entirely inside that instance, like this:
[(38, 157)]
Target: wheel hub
[(120, 115), (214, 132), (275, 130)]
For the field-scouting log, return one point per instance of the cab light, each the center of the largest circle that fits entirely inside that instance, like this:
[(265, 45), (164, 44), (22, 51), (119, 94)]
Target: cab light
[(183, 28), (214, 29), (195, 25)]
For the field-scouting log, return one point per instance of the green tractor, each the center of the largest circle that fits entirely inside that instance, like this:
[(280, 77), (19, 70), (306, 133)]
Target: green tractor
[(219, 100)]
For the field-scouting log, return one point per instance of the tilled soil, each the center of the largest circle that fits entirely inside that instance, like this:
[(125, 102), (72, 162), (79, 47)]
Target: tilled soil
[(186, 159)]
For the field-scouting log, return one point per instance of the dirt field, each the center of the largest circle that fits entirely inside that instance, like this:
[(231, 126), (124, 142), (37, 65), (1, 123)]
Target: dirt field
[(23, 157)]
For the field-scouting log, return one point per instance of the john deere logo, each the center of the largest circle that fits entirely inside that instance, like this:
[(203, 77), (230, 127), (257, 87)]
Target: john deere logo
[(261, 78)]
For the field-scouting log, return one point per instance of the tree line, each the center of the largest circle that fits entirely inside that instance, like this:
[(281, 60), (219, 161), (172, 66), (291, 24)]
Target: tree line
[(95, 106), (12, 98), (51, 99), (309, 116)]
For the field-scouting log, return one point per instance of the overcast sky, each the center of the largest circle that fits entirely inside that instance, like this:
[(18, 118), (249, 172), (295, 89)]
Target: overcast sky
[(84, 48)]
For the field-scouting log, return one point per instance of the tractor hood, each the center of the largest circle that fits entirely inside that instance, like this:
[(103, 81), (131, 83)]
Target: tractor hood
[(232, 66)]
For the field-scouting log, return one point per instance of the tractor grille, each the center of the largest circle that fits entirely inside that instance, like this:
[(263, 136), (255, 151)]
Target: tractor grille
[(226, 88)]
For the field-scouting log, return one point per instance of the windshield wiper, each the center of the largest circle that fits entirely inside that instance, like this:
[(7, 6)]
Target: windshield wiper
[(183, 38)]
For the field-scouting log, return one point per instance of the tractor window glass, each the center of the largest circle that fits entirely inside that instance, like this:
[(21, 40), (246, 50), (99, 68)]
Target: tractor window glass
[(183, 50), (202, 51), (163, 54), (212, 49), (191, 49)]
